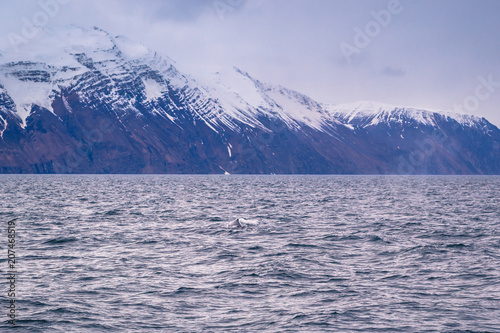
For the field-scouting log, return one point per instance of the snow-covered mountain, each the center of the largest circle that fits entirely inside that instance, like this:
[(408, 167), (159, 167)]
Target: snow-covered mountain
[(77, 59), (79, 100), (367, 113)]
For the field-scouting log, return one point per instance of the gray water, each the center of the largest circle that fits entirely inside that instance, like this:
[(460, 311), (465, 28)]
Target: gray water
[(318, 254)]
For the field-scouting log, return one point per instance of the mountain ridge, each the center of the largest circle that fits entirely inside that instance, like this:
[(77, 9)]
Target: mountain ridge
[(166, 121)]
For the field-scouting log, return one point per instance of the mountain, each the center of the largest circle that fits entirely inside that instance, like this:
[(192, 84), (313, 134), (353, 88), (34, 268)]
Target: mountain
[(424, 142), (79, 100)]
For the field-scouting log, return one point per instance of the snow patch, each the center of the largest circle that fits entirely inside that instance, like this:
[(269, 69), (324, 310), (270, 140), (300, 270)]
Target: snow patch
[(27, 94), (225, 172), (66, 104), (4, 123), (152, 89)]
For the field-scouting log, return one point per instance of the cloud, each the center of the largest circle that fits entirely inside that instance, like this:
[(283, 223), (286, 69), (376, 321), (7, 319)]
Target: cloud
[(172, 10), (394, 72)]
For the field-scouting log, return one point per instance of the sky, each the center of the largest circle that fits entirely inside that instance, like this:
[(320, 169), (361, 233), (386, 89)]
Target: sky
[(439, 55)]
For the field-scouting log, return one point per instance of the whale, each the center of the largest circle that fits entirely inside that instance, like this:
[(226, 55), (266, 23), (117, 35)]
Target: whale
[(237, 224), (240, 223)]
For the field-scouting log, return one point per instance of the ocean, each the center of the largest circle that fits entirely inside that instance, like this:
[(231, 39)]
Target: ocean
[(128, 253)]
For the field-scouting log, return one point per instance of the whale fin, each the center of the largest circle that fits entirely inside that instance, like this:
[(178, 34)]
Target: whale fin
[(238, 224), (241, 223)]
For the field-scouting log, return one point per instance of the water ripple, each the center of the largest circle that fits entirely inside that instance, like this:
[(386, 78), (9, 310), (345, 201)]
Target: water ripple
[(328, 254)]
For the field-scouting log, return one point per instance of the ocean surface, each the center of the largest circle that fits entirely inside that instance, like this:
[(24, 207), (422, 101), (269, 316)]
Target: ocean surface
[(313, 254)]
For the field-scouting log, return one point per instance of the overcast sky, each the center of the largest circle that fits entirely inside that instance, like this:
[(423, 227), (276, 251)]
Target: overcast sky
[(442, 55)]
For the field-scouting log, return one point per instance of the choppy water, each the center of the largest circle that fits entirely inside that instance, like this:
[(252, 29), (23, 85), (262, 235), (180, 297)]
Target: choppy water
[(329, 253)]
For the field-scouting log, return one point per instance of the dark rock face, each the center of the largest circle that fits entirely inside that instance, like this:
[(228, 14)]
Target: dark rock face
[(448, 148)]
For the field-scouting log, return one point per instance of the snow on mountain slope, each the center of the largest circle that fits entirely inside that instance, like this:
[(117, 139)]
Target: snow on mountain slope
[(128, 77), (368, 113), (105, 69), (245, 98), (27, 93), (84, 60), (153, 117)]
